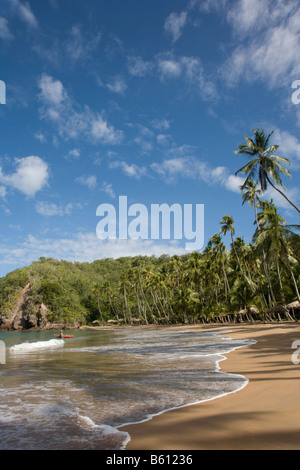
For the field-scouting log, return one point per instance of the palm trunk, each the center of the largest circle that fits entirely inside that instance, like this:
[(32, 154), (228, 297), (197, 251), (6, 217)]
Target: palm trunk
[(99, 310), (295, 283), (292, 276), (239, 263), (280, 282), (266, 269), (282, 194), (227, 288)]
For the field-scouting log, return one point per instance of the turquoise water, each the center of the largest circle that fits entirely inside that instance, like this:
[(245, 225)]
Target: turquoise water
[(77, 393)]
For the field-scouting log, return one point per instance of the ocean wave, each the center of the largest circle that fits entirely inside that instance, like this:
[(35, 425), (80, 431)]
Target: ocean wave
[(29, 347)]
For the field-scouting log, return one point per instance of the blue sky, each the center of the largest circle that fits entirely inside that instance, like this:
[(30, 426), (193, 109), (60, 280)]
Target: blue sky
[(137, 98)]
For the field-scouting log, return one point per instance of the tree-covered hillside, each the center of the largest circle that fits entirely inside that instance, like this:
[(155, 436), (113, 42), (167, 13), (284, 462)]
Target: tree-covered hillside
[(214, 285)]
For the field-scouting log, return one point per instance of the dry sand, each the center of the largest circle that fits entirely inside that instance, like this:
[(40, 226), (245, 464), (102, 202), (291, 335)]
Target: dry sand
[(265, 415)]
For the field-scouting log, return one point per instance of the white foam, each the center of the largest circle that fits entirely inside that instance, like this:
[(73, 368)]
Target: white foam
[(25, 347)]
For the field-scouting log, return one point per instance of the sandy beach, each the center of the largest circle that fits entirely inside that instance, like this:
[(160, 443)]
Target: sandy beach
[(265, 415)]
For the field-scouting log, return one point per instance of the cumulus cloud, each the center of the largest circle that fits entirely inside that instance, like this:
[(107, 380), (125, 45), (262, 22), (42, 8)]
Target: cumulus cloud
[(89, 181), (169, 68), (70, 120), (52, 91), (132, 170), (31, 176)]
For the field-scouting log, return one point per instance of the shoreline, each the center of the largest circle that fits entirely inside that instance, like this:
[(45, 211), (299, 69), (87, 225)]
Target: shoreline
[(262, 415), (218, 369)]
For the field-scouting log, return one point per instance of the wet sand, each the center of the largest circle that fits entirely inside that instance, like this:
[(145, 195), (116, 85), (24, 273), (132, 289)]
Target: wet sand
[(265, 415)]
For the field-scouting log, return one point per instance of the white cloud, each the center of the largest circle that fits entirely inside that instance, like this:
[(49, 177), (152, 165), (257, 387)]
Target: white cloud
[(195, 76), (118, 85), (132, 170), (248, 14), (191, 70), (172, 169), (101, 130), (70, 120), (233, 183), (2, 191), (27, 15), (78, 47), (174, 25), (73, 154), (270, 55), (161, 124), (52, 91), (289, 147), (40, 136), (190, 167), (48, 209), (145, 145), (5, 33), (169, 68), (31, 176), (83, 247), (24, 12), (292, 193), (268, 39), (108, 189), (210, 5), (138, 67), (89, 181)]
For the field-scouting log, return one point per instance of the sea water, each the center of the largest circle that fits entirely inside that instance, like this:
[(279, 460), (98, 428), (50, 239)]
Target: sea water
[(78, 393)]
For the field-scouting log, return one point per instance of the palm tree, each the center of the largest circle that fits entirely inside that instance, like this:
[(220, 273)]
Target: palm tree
[(219, 252), (273, 236), (250, 195), (227, 225), (264, 164)]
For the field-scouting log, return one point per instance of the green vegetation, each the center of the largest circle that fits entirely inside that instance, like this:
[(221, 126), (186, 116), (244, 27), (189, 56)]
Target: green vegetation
[(247, 282)]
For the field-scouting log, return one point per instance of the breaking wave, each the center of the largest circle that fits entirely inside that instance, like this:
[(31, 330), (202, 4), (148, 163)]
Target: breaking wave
[(28, 347)]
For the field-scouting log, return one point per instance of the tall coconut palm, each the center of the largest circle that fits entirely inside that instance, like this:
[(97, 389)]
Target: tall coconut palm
[(273, 236), (264, 164), (250, 193), (219, 253), (227, 225)]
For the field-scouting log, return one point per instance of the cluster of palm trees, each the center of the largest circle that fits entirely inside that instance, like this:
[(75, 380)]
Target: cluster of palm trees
[(248, 281)]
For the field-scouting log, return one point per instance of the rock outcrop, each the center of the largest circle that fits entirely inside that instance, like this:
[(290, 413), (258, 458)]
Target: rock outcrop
[(25, 314)]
